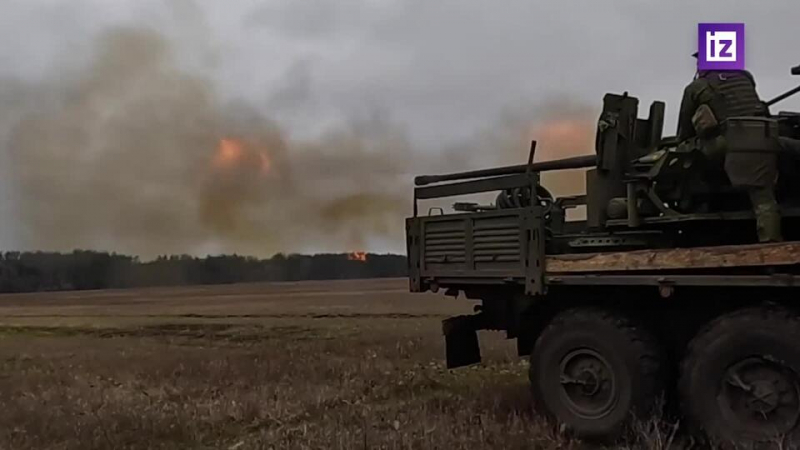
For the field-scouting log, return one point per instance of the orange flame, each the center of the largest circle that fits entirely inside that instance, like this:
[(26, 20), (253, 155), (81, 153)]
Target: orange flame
[(235, 154), (357, 256), (229, 153), (563, 137)]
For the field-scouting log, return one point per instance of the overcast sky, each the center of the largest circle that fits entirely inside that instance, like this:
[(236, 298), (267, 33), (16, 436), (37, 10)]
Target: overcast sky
[(440, 69)]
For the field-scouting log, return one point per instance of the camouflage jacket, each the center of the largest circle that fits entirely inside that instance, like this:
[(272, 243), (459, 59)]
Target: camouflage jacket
[(698, 92)]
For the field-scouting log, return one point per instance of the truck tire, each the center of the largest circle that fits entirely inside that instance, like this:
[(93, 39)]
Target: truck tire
[(593, 371), (739, 379)]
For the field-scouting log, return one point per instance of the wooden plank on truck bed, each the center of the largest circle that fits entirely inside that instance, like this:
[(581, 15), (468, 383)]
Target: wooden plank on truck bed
[(777, 254)]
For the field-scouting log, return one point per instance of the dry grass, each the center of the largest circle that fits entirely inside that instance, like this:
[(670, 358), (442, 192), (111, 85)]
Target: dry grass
[(323, 366)]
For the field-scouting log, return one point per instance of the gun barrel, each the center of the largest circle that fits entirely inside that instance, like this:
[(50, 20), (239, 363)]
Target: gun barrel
[(784, 96), (577, 162)]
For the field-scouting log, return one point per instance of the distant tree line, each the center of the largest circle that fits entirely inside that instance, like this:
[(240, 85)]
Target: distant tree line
[(80, 270)]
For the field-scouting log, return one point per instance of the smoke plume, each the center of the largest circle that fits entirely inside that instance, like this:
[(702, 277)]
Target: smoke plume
[(134, 154), (562, 128)]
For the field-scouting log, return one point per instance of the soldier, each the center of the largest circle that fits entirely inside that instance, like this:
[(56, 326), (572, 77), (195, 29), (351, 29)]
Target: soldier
[(709, 99)]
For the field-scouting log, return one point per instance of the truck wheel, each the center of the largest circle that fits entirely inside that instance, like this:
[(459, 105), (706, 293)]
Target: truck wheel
[(739, 379), (592, 371)]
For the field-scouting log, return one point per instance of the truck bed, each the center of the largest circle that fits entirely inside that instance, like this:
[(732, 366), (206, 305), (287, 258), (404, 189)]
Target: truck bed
[(506, 248), (719, 257)]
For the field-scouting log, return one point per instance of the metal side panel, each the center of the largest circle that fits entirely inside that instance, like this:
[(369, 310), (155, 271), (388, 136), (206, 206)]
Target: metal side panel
[(488, 244), (444, 244), (496, 243)]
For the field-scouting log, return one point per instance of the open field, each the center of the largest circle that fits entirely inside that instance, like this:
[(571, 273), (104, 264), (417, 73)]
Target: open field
[(327, 365)]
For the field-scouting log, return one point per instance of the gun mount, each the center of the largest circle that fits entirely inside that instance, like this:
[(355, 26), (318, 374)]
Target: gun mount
[(638, 182)]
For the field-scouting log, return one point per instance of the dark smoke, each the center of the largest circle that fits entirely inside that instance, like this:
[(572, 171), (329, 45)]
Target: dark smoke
[(121, 156), (562, 128)]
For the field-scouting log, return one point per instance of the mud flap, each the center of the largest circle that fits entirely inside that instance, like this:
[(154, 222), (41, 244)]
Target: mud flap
[(461, 341)]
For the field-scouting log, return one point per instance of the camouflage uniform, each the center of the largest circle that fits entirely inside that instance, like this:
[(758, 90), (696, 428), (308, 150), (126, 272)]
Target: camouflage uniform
[(733, 94)]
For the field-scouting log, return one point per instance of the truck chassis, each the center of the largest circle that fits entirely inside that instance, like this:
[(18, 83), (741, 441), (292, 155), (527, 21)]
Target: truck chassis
[(614, 313)]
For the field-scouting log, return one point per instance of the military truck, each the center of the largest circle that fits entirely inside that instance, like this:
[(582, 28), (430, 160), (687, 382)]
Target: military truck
[(660, 291)]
